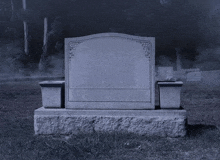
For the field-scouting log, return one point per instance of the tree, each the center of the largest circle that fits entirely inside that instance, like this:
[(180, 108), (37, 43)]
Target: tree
[(47, 12), (12, 11), (25, 30), (43, 60)]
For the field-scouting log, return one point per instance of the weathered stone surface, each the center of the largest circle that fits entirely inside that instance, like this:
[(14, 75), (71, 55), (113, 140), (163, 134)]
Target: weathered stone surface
[(171, 124)]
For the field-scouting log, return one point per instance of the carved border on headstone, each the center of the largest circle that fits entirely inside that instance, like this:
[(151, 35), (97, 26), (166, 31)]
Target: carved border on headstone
[(73, 46), (147, 46)]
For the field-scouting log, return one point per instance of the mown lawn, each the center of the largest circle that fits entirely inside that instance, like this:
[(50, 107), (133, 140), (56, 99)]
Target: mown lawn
[(18, 100)]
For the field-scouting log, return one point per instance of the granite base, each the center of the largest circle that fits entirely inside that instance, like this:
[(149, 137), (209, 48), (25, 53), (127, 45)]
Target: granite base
[(163, 123)]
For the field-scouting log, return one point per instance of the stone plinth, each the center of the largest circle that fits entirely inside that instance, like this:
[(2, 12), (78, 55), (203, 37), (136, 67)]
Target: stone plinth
[(170, 94), (52, 94), (164, 123)]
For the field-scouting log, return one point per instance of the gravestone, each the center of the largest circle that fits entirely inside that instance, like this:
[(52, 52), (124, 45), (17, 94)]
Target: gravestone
[(109, 71), (193, 76), (110, 87)]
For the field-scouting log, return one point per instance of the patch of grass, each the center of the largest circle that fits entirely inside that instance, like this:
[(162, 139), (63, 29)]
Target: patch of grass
[(18, 100), (202, 103)]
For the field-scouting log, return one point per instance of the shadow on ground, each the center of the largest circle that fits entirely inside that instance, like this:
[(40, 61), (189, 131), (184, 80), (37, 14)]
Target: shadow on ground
[(198, 129)]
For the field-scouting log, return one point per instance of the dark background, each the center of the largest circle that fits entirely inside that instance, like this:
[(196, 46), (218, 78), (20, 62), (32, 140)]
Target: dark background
[(190, 26)]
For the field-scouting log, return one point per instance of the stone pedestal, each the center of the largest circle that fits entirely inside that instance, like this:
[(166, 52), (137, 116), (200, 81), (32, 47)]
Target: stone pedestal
[(52, 94), (163, 123), (170, 94)]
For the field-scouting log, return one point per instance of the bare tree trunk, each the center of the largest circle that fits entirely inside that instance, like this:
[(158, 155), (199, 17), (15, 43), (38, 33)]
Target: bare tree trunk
[(45, 30), (12, 10), (43, 61), (178, 59), (25, 31)]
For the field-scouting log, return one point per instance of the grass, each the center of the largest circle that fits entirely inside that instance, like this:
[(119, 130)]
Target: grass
[(18, 100)]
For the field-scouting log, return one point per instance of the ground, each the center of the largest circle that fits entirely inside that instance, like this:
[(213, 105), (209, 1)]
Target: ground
[(18, 100)]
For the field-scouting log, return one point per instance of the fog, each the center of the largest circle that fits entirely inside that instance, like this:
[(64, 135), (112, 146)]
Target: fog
[(193, 26)]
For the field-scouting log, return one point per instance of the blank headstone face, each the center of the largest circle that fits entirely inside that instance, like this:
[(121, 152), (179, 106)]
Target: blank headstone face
[(109, 71)]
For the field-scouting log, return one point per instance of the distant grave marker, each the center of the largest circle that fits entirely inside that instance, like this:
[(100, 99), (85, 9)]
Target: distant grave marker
[(165, 73), (194, 76)]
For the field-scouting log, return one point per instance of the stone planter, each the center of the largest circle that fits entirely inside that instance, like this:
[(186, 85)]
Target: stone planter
[(170, 94), (52, 94)]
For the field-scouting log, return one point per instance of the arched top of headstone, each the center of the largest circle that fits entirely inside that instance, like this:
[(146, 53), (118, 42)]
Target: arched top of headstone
[(146, 42), (110, 71), (112, 34)]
